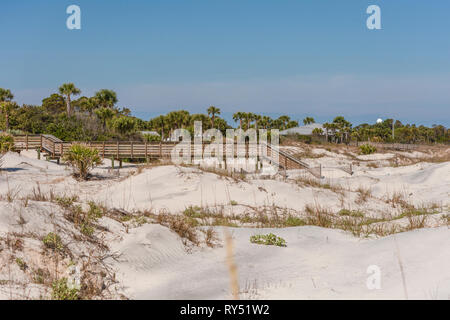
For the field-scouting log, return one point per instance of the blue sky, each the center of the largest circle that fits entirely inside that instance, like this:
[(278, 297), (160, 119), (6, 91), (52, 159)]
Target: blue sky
[(297, 57)]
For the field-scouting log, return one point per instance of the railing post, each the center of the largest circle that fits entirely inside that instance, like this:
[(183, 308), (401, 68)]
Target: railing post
[(103, 149), (146, 151), (118, 155), (160, 150), (132, 153), (26, 142)]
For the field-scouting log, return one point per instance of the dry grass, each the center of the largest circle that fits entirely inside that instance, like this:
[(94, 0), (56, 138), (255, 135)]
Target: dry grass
[(363, 194)]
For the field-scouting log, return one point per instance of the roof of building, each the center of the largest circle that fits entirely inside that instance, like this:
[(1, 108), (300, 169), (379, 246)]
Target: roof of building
[(150, 133), (303, 130)]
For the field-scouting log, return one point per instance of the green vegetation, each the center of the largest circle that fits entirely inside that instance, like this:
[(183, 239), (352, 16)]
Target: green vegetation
[(268, 239), (53, 241), (82, 159), (6, 142), (367, 149), (98, 118), (61, 291)]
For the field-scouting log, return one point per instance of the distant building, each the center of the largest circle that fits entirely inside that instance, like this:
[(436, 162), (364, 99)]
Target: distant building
[(150, 133), (306, 130)]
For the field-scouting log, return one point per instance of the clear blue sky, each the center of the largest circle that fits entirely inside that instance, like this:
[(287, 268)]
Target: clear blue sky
[(298, 57)]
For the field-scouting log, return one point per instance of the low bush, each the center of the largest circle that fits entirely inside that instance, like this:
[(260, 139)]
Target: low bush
[(61, 291), (367, 149), (82, 159), (53, 241), (268, 240)]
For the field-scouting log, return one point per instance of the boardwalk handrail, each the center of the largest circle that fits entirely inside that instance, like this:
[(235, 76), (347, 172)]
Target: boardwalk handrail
[(137, 149)]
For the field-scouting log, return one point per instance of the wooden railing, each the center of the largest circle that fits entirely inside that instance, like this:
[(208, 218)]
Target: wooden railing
[(56, 148)]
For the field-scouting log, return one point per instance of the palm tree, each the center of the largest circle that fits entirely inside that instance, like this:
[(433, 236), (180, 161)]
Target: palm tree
[(257, 118), (213, 111), (159, 123), (238, 116), (106, 98), (66, 90), (308, 120), (6, 105), (266, 122), (104, 115), (285, 120)]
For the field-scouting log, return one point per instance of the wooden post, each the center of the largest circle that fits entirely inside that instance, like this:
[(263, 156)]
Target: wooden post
[(103, 149), (160, 150), (120, 163), (132, 150), (146, 151), (41, 142), (38, 150), (26, 141), (118, 156), (62, 149), (112, 162)]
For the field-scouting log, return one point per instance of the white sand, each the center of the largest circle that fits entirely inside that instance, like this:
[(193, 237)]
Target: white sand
[(317, 263)]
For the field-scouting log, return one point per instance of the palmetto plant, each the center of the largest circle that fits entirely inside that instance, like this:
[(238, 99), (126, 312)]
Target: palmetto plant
[(82, 159), (67, 90)]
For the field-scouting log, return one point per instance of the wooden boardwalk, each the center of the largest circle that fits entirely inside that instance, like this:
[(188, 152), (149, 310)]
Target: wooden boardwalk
[(55, 148)]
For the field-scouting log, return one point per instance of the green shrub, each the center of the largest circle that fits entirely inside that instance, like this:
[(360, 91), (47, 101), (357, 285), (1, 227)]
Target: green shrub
[(367, 149), (53, 241), (268, 239), (87, 229), (82, 159), (95, 212), (6, 142), (61, 291)]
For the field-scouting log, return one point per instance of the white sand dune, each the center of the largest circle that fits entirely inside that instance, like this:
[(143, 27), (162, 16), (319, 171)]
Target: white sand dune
[(318, 263)]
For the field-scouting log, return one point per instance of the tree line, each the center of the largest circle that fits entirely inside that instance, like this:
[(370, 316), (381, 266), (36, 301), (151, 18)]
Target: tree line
[(72, 117)]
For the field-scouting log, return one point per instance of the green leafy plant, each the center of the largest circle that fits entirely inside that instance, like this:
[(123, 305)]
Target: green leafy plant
[(6, 142), (61, 291), (82, 159), (53, 241), (367, 149), (268, 239)]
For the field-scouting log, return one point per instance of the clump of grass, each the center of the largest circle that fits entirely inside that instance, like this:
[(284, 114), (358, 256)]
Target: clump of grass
[(268, 239), (194, 212), (53, 241), (22, 264), (211, 237), (318, 216), (351, 213), (292, 221), (363, 194), (66, 202), (315, 183), (233, 203), (62, 291), (183, 226)]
